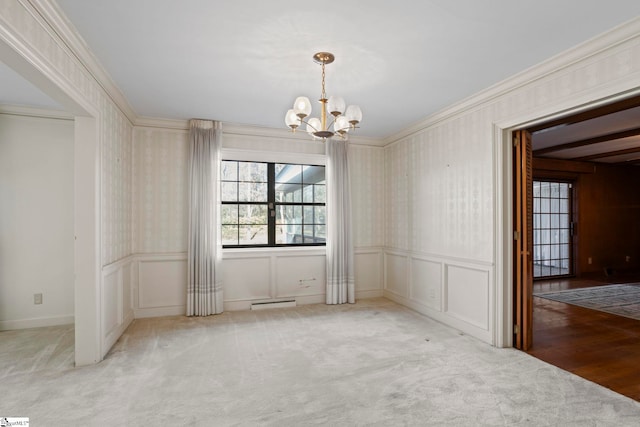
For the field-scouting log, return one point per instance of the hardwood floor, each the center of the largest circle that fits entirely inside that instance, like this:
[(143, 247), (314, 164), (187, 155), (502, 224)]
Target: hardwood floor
[(601, 347)]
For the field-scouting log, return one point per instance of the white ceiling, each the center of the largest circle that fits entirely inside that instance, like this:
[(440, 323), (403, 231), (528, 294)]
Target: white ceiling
[(245, 61), (18, 91)]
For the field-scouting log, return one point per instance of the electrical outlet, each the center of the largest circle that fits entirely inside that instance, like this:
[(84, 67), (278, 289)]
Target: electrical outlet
[(627, 258), (590, 260), (37, 298)]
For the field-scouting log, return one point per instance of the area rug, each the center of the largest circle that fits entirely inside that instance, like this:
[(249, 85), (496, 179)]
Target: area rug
[(622, 300)]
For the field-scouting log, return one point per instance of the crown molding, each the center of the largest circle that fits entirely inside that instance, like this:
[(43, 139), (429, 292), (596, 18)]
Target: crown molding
[(158, 123), (64, 30), (21, 110), (557, 63), (248, 130)]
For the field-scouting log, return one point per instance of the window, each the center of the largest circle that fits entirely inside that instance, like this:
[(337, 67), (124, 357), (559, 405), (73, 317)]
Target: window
[(272, 204), (552, 228)]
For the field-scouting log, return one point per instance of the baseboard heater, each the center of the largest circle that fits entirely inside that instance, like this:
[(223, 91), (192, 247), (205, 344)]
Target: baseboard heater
[(273, 304)]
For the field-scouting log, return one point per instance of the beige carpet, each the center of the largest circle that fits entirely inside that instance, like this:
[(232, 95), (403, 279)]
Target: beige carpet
[(374, 363)]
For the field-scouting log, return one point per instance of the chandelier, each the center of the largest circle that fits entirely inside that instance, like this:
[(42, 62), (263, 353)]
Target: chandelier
[(318, 128)]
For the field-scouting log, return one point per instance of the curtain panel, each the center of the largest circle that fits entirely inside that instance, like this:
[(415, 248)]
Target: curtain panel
[(204, 287), (340, 267)]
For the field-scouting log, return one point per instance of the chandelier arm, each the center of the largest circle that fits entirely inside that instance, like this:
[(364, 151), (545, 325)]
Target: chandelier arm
[(308, 124)]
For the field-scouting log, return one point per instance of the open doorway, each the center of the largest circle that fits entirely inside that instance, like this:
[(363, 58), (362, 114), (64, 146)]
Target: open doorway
[(84, 240), (595, 155)]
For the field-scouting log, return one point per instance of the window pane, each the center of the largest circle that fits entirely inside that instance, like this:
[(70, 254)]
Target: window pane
[(288, 214), (320, 217), (308, 234), (252, 172), (229, 171), (544, 205), (544, 189), (229, 234), (254, 235), (544, 221), (288, 173), (321, 233), (308, 215), (289, 233), (564, 191), (229, 192), (249, 192), (313, 174), (564, 205), (229, 214), (253, 214), (307, 194), (289, 193), (320, 193)]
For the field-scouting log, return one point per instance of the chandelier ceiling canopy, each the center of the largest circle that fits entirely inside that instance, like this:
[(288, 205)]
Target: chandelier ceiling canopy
[(344, 119)]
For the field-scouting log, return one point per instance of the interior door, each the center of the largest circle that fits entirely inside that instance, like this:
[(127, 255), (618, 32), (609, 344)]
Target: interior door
[(523, 239)]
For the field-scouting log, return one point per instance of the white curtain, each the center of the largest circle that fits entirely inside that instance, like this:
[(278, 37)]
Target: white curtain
[(340, 269), (204, 287)]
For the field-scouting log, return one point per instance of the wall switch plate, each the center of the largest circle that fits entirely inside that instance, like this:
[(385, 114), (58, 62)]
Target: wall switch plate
[(37, 298)]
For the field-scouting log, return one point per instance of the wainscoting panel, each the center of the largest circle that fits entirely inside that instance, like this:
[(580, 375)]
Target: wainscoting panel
[(298, 276), (457, 292), (426, 283), (246, 278), (159, 280), (112, 306), (117, 307), (368, 271), (162, 283), (396, 274), (467, 295)]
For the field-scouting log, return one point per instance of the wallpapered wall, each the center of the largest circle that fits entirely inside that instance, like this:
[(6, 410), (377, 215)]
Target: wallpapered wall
[(160, 190), (117, 167), (367, 195), (441, 189), (440, 192)]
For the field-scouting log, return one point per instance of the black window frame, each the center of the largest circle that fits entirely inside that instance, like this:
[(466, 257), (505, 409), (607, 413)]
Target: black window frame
[(272, 205)]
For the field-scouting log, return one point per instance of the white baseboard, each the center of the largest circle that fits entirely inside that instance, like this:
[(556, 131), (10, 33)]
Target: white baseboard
[(8, 325)]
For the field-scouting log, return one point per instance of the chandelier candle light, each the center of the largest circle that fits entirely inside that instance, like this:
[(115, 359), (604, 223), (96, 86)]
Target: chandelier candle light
[(343, 120)]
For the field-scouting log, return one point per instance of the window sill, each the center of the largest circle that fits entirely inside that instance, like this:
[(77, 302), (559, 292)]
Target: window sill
[(230, 253)]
